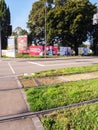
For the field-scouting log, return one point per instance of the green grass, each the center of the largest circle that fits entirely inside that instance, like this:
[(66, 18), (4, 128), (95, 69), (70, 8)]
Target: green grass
[(19, 55), (62, 94), (65, 71), (78, 118), (26, 55)]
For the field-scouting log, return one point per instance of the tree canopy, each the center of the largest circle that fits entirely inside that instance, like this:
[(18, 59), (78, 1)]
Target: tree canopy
[(36, 19), (6, 28), (69, 21), (19, 31)]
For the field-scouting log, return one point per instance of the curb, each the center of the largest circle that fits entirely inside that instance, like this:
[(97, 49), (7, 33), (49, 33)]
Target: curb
[(37, 123), (35, 119)]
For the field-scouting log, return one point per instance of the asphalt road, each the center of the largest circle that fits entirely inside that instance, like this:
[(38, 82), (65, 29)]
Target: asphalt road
[(22, 66)]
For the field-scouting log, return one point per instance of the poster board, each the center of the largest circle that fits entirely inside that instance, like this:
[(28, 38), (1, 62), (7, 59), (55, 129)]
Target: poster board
[(11, 47), (36, 50), (22, 44)]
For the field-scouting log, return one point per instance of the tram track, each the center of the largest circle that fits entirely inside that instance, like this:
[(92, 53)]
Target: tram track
[(43, 112)]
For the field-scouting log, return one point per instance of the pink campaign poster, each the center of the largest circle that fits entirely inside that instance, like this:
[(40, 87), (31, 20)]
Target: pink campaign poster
[(36, 50), (22, 44)]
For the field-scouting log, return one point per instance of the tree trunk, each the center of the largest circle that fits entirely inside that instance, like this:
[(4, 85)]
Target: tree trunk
[(76, 49)]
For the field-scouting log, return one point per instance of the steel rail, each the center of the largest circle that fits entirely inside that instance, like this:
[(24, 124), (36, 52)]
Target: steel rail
[(43, 112)]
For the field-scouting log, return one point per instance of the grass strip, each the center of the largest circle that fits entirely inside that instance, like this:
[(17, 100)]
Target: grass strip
[(43, 98), (64, 71), (79, 118)]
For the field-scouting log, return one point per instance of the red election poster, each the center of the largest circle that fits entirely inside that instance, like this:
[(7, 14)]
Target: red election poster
[(55, 50), (51, 50), (22, 44), (36, 50)]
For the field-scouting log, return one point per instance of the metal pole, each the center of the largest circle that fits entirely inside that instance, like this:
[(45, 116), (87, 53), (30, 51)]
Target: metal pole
[(45, 31), (0, 40), (45, 24)]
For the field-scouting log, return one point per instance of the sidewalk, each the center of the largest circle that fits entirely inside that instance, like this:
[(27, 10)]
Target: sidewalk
[(12, 102)]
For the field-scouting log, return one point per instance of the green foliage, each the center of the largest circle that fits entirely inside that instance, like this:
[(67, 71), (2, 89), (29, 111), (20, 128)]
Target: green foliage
[(27, 56), (71, 22), (62, 94), (94, 45), (19, 31), (48, 123), (6, 28), (65, 71), (36, 19), (78, 118)]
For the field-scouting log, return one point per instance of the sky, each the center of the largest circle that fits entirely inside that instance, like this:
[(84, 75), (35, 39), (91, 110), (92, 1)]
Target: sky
[(20, 9)]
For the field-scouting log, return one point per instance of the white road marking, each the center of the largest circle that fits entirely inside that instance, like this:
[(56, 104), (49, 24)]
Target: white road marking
[(49, 64), (11, 68), (55, 64), (36, 63)]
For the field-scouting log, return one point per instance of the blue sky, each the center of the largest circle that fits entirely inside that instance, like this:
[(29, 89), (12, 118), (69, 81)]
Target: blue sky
[(20, 11)]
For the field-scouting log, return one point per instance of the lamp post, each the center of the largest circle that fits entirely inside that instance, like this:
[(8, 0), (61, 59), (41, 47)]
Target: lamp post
[(45, 25), (45, 30), (45, 4)]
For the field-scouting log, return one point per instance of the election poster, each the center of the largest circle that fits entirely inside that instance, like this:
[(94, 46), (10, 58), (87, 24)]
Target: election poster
[(22, 44), (11, 47), (80, 51), (51, 50), (65, 51), (36, 50)]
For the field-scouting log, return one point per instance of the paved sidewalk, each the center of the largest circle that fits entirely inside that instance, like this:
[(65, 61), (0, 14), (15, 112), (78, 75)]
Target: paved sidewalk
[(22, 124), (82, 76), (12, 101)]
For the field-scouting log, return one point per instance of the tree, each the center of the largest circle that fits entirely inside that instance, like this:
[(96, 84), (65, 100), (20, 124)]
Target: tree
[(6, 28), (71, 22), (19, 31), (36, 21), (94, 39), (36, 18)]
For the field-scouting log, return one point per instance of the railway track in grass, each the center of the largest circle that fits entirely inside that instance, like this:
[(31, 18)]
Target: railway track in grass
[(43, 112)]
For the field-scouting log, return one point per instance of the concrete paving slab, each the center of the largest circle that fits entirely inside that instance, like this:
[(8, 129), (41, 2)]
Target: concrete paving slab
[(12, 102), (8, 83), (23, 124)]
